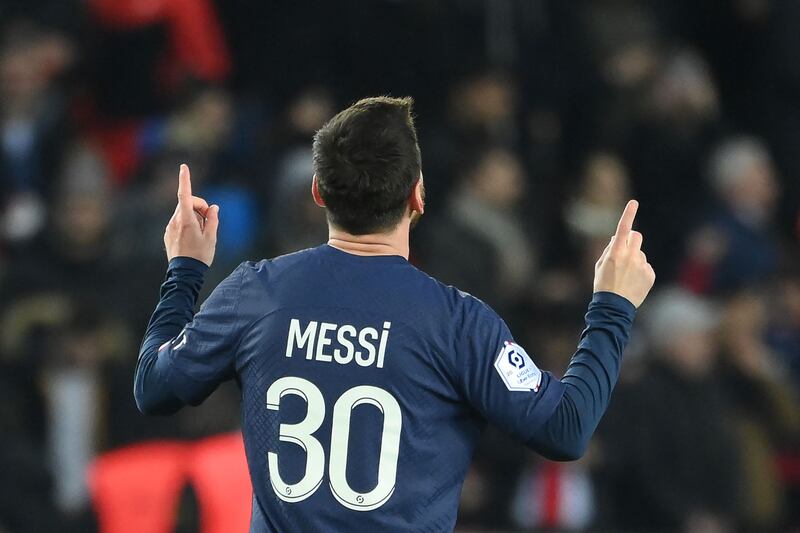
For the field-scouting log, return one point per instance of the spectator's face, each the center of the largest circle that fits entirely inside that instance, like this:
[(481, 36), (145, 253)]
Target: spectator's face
[(310, 111), (27, 68), (758, 189), (205, 124), (606, 181), (630, 65), (684, 89), (692, 353), (485, 101), (499, 179), (754, 190), (745, 315), (20, 74), (82, 219)]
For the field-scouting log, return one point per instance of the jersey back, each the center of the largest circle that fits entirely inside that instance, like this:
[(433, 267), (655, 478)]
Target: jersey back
[(365, 384)]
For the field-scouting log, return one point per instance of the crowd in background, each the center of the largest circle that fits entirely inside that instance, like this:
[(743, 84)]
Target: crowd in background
[(538, 119)]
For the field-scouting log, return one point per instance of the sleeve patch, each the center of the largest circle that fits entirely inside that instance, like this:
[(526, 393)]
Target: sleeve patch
[(517, 369)]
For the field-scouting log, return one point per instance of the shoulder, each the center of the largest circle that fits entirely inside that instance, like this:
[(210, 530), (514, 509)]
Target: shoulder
[(247, 284), (463, 308), (274, 266)]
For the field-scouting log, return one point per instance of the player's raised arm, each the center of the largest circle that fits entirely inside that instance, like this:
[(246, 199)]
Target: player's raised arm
[(184, 356), (557, 417), (623, 278)]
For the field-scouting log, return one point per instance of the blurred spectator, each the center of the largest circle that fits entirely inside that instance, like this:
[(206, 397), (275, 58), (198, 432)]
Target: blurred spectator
[(676, 445), (72, 255), (53, 332), (26, 480), (201, 127), (201, 131), (554, 496), (481, 228), (738, 246), (765, 407), (666, 149), (32, 123), (603, 191), (784, 326), (593, 214), (483, 110), (588, 219), (623, 40), (549, 495), (294, 221), (143, 61), (196, 46)]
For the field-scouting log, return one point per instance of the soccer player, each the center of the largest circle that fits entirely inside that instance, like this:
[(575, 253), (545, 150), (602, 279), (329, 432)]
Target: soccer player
[(365, 382)]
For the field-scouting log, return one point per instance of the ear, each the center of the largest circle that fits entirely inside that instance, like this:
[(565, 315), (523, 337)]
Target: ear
[(315, 192), (417, 199)]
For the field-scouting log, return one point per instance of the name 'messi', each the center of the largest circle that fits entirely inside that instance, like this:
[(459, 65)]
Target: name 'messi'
[(366, 346)]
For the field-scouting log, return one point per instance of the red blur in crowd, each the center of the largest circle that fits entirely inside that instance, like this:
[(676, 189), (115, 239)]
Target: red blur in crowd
[(197, 51)]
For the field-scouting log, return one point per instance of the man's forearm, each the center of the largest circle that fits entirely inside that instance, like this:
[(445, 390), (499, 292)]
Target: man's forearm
[(175, 309), (589, 379)]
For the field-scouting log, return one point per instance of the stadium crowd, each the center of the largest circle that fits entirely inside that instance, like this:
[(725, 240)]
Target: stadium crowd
[(538, 120)]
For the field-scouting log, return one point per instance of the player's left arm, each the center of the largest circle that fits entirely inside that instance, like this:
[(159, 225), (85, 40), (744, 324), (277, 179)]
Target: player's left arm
[(184, 356), (557, 417)]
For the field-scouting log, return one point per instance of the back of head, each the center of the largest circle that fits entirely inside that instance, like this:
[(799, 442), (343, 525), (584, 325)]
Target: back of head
[(367, 161)]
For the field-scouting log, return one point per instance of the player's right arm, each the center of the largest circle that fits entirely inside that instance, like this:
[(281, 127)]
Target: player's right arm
[(557, 417), (184, 356)]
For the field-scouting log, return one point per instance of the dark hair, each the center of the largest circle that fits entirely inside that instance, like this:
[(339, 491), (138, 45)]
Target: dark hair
[(367, 161)]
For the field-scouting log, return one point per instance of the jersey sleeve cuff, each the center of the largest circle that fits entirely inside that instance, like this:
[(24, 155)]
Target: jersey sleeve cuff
[(187, 263), (615, 301)]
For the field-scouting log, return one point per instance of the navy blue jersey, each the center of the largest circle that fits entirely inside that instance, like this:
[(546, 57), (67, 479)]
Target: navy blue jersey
[(365, 383)]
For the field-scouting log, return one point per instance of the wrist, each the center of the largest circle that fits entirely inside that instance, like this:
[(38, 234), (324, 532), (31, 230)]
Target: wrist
[(187, 263), (614, 299)]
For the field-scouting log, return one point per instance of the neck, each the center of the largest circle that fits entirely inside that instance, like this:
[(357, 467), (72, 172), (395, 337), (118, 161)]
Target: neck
[(391, 243)]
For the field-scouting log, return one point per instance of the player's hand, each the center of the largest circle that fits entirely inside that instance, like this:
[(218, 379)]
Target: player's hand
[(192, 230), (623, 268)]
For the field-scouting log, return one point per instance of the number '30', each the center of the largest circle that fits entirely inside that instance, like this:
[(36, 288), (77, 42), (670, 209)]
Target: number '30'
[(301, 434)]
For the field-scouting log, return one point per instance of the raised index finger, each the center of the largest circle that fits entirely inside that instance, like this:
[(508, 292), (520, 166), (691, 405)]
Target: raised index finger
[(625, 224), (184, 186)]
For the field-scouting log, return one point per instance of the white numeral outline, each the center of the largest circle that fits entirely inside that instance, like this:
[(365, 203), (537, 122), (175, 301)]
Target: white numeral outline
[(302, 435)]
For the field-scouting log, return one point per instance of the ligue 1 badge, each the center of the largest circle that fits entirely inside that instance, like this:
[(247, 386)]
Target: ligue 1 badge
[(517, 369)]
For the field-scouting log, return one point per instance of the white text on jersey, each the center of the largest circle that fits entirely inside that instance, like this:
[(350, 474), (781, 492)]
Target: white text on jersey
[(317, 338)]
